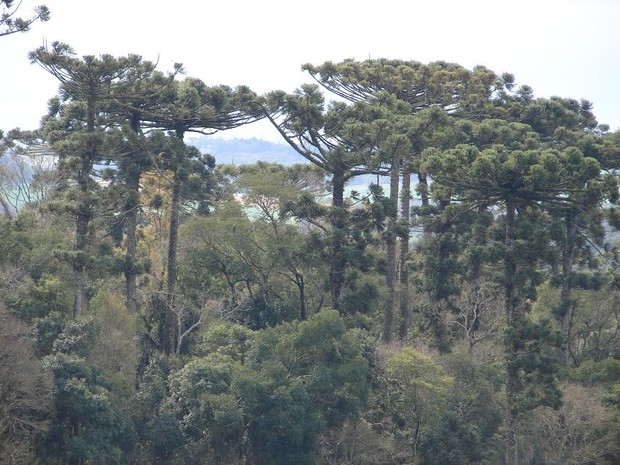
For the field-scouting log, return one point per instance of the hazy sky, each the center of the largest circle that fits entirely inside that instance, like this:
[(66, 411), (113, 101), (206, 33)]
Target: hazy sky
[(559, 47)]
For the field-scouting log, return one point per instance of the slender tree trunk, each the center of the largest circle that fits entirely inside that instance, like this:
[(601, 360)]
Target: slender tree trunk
[(476, 305), (6, 207), (83, 213), (171, 323), (472, 321), (131, 224), (299, 280), (405, 206), (79, 294), (171, 328), (82, 222), (441, 282), (567, 270), (513, 319), (390, 243), (338, 261), (131, 211)]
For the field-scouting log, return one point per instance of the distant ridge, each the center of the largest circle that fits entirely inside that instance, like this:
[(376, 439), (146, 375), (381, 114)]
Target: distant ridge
[(246, 151), (239, 151)]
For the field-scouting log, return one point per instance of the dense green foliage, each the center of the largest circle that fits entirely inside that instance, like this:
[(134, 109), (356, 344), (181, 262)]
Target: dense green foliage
[(159, 308)]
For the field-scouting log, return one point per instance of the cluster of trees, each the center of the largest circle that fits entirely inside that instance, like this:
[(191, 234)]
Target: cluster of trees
[(157, 308)]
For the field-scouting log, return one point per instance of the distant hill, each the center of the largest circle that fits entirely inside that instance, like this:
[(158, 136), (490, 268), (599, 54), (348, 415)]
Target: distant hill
[(246, 151)]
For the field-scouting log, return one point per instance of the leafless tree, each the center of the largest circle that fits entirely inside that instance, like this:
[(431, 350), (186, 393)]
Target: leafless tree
[(25, 394), (27, 176)]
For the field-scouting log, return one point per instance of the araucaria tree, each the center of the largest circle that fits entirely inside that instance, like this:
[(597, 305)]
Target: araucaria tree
[(523, 185), (191, 106), (428, 94), (11, 24), (77, 129), (344, 140), (140, 91)]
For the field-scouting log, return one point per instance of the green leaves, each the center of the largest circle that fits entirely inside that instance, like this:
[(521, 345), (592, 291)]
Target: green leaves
[(535, 362), (549, 176), (327, 356), (415, 390), (269, 394), (88, 424), (11, 24)]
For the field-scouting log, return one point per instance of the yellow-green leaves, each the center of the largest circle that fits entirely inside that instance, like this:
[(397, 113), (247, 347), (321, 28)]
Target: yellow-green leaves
[(417, 376), (416, 389)]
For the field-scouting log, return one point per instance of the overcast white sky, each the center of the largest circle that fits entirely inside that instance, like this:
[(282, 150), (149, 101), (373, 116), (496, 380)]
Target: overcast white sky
[(559, 47)]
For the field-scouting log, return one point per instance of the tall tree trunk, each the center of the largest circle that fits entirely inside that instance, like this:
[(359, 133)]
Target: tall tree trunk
[(338, 261), (171, 320), (567, 271), (82, 223), (513, 320), (131, 221), (79, 264), (441, 282), (299, 281), (472, 320), (405, 206), (390, 243), (171, 328), (131, 224), (475, 303), (83, 213)]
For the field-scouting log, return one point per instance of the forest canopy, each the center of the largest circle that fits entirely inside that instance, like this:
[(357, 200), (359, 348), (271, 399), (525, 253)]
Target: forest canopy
[(159, 307)]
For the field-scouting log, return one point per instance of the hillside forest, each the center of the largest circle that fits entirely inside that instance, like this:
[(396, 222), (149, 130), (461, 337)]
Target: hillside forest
[(157, 307)]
